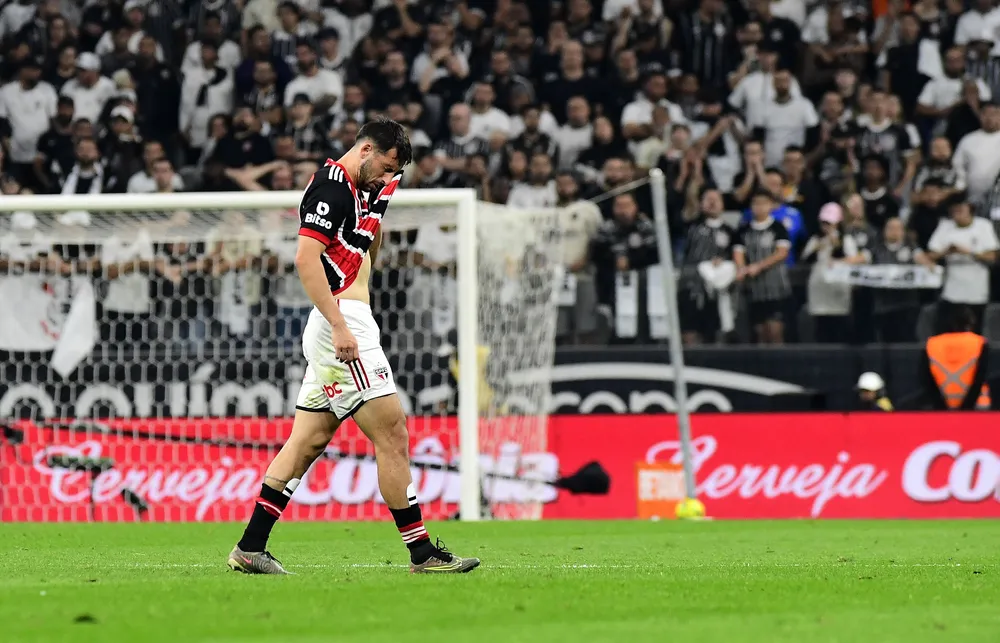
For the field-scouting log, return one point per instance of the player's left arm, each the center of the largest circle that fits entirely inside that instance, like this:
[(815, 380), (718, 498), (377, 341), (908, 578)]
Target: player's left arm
[(375, 247)]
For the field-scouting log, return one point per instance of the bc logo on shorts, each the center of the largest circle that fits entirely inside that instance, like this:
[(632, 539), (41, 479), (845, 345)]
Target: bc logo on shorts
[(333, 390)]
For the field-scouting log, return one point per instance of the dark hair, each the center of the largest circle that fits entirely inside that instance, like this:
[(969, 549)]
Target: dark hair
[(962, 319), (795, 149), (386, 135), (774, 170), (212, 15), (761, 192)]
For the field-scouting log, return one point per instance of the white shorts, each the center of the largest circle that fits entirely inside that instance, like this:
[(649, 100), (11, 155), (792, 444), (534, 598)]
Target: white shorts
[(332, 385)]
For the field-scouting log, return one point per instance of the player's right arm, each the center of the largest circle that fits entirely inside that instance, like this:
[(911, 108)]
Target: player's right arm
[(326, 207)]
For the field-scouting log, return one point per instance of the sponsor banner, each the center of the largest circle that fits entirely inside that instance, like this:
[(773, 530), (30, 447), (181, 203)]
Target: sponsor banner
[(895, 276), (748, 466), (614, 379)]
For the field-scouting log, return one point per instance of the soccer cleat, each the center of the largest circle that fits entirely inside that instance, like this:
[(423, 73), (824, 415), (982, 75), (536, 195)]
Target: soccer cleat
[(254, 562), (444, 562)]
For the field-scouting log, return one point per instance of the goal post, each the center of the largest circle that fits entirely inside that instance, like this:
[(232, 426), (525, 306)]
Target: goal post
[(490, 250)]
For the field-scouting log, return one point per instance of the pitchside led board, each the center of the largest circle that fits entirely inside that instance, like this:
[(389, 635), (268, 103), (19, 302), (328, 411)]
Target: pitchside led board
[(827, 465)]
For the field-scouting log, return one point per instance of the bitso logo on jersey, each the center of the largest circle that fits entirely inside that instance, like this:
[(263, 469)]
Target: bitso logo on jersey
[(318, 220)]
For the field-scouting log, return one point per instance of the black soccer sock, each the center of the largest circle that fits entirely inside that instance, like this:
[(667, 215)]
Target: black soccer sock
[(411, 528), (266, 512)]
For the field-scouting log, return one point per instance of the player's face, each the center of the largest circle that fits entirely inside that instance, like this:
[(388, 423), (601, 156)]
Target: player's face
[(377, 169)]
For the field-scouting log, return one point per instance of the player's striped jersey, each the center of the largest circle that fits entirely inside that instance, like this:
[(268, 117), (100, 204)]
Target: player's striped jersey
[(333, 210)]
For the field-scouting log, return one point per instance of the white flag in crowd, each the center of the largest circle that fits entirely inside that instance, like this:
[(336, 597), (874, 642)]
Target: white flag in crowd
[(885, 276)]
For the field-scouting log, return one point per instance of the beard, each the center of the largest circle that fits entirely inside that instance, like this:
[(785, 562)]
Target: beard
[(367, 179)]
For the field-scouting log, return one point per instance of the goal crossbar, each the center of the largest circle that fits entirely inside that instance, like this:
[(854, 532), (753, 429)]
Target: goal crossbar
[(462, 200)]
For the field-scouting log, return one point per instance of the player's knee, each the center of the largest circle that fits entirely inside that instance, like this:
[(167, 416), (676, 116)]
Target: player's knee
[(394, 439)]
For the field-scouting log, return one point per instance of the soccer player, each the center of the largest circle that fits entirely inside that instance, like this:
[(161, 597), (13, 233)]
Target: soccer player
[(347, 373)]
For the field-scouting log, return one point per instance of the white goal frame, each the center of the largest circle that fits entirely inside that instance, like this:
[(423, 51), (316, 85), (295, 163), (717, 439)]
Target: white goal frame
[(462, 199)]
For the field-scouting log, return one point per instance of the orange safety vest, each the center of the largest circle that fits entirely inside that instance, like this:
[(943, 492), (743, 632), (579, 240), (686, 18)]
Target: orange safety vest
[(953, 358)]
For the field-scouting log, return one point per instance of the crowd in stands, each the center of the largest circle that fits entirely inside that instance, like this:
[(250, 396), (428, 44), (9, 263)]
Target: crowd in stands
[(796, 137)]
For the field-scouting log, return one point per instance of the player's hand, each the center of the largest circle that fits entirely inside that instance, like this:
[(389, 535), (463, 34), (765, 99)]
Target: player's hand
[(344, 344), (753, 270)]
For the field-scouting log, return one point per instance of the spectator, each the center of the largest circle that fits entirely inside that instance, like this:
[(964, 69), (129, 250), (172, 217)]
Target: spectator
[(87, 174), (836, 163), (16, 15), (701, 43), (207, 91), (294, 31), (324, 88), (259, 50), (395, 87), (606, 145), (570, 79), (624, 243), (228, 52), (135, 13), (56, 153), (440, 57), (785, 121), (264, 96), (760, 253), (981, 65), (331, 55), (89, 90), (880, 204), (158, 93), (306, 130), (801, 191), (704, 300), (577, 134), (121, 150), (896, 309), (119, 57), (968, 245), (578, 223), (540, 189), (941, 95), (64, 69), (637, 117), (235, 250), (486, 120), (244, 145), (453, 152), (626, 83), (830, 303), (532, 139), (753, 82), (26, 104), (977, 156), (145, 181), (909, 64), (774, 182), (503, 79), (856, 224), (871, 393), (127, 258), (882, 136)]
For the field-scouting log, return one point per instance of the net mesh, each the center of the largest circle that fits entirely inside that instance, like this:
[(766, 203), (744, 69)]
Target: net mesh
[(151, 363)]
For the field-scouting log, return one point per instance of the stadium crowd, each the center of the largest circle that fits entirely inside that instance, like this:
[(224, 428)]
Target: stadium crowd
[(796, 137)]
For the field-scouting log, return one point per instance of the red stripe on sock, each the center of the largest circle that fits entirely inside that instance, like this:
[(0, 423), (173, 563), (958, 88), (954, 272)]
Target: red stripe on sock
[(269, 507), (419, 523)]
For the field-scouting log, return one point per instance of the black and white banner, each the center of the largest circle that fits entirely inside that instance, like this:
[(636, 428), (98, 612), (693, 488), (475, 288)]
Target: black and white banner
[(897, 276), (618, 379)]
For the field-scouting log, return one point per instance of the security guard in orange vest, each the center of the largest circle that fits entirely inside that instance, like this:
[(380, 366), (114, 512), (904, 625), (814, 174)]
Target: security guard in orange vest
[(955, 366)]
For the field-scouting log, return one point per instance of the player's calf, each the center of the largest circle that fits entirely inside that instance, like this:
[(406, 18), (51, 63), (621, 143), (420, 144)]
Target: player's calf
[(383, 421)]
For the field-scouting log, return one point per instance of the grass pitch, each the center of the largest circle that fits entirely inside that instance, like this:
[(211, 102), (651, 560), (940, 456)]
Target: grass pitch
[(540, 582)]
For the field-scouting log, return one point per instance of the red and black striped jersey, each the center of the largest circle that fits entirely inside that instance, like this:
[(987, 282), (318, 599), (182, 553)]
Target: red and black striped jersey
[(344, 218)]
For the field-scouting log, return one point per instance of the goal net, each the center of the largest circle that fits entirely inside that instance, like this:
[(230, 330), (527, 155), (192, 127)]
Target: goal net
[(151, 356)]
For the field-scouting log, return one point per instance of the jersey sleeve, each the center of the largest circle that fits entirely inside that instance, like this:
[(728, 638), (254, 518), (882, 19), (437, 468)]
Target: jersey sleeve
[(325, 206), (781, 236)]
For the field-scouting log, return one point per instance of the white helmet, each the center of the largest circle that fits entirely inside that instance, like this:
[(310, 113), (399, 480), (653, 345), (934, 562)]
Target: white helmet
[(870, 381)]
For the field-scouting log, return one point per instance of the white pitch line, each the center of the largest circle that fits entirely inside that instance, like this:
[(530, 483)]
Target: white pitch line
[(580, 566)]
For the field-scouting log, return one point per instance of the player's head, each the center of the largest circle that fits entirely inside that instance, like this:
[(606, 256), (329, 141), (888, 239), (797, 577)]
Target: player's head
[(383, 148)]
